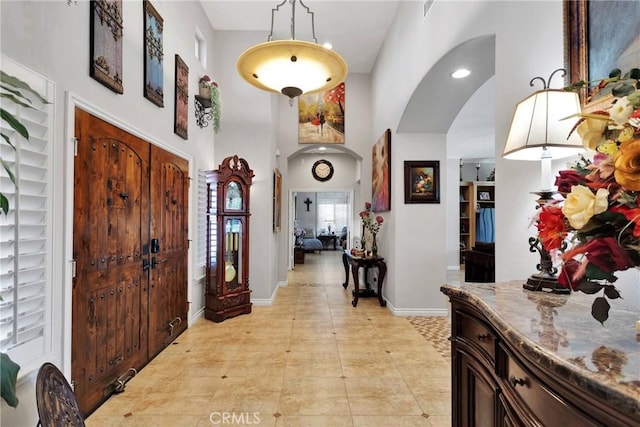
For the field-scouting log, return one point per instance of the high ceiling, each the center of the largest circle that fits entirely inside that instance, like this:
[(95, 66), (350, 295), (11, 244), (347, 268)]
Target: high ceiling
[(357, 29)]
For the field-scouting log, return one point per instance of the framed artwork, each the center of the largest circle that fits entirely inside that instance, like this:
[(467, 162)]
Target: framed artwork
[(153, 55), (484, 195), (592, 51), (106, 43), (181, 113), (422, 181), (321, 117), (277, 200), (381, 173)]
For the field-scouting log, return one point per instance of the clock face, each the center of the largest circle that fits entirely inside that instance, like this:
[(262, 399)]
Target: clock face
[(322, 170)]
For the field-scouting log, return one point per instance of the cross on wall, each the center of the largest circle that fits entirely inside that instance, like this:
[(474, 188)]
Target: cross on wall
[(308, 203)]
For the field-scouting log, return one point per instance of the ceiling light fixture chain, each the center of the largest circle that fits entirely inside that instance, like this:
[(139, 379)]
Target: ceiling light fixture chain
[(293, 19)]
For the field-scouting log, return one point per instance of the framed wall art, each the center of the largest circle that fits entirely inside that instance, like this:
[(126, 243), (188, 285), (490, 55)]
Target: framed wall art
[(106, 43), (277, 200), (592, 51), (381, 173), (181, 112), (153, 55), (422, 181), (321, 117)]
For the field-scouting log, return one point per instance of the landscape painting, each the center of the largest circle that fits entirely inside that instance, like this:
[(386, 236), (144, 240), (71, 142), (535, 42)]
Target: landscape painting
[(321, 117)]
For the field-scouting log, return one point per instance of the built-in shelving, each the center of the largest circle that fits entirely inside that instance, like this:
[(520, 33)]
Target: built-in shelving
[(473, 196)]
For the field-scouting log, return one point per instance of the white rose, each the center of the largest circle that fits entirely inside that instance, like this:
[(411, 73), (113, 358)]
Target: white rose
[(581, 204), (621, 111)]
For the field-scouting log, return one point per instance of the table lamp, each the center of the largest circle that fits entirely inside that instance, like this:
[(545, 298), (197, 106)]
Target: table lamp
[(540, 132)]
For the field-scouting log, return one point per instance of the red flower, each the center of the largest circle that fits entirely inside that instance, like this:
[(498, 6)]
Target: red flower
[(379, 219), (551, 227), (567, 179), (367, 205), (606, 254), (632, 214), (571, 275)]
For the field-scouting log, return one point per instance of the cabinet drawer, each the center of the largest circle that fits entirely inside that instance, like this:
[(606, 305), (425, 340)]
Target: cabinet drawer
[(549, 409), (474, 332)]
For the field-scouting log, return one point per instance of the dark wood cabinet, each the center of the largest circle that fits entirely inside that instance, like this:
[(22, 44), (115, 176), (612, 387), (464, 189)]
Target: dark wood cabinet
[(228, 213), (499, 380)]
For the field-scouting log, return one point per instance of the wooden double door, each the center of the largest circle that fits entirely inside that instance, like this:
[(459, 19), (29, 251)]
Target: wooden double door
[(130, 245)]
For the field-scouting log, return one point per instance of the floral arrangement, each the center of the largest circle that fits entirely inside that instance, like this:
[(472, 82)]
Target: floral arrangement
[(298, 233), (214, 94), (371, 224), (595, 229)]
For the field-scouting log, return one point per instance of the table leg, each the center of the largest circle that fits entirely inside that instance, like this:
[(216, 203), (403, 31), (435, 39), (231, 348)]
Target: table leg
[(356, 284), (382, 271), (345, 262)]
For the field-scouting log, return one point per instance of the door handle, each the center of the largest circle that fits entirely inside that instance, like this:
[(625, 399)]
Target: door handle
[(155, 261), (145, 264)]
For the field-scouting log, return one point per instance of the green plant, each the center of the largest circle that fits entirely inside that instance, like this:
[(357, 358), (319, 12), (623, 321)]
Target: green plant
[(214, 96), (13, 90)]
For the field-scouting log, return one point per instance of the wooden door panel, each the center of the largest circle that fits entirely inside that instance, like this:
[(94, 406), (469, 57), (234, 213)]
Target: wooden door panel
[(111, 208), (169, 185)]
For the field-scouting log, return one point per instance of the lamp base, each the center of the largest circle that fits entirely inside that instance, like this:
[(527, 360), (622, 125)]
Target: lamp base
[(541, 283)]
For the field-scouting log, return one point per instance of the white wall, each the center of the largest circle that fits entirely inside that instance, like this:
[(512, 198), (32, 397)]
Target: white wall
[(53, 39), (522, 51)]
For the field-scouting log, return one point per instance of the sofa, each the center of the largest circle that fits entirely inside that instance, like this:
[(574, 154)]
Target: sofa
[(480, 263), (309, 242)]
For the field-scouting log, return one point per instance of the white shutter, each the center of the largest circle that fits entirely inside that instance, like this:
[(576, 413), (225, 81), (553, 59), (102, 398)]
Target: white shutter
[(202, 218), (25, 233)]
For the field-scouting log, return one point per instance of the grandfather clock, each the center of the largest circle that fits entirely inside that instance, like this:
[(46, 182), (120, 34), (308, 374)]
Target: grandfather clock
[(227, 271)]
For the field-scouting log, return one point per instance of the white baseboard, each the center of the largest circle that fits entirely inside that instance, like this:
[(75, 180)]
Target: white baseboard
[(418, 312)]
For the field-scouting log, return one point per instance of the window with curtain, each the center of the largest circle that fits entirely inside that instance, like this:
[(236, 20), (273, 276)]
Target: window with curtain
[(25, 232)]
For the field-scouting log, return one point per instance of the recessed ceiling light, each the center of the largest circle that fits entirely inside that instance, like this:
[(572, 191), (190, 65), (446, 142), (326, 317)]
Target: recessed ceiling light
[(328, 46), (460, 73), (322, 148)]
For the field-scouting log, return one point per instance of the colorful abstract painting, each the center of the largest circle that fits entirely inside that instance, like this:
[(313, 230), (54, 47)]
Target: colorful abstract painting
[(321, 117), (381, 173)]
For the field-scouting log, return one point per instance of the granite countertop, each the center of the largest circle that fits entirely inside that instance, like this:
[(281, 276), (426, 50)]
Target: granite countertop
[(559, 333)]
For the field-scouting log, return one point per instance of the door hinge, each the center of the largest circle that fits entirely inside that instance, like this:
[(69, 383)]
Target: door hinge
[(73, 385), (73, 268), (188, 243), (75, 146)]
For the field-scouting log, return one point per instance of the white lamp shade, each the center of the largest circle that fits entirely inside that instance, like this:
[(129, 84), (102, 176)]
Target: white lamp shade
[(541, 125), (276, 65)]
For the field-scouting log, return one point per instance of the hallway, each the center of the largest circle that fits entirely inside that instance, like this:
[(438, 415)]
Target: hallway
[(310, 359)]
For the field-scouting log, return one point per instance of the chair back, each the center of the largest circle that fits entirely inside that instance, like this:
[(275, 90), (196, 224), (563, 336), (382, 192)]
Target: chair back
[(57, 405)]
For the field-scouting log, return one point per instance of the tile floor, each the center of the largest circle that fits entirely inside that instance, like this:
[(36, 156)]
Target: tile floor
[(310, 359)]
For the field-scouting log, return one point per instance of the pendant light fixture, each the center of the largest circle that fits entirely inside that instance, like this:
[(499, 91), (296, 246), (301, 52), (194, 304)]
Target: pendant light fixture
[(292, 67)]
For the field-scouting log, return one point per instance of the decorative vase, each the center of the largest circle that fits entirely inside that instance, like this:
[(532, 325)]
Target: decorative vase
[(362, 241), (374, 246)]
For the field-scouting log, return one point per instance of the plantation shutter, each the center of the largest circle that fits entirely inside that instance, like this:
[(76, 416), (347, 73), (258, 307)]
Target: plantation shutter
[(25, 232), (202, 218)]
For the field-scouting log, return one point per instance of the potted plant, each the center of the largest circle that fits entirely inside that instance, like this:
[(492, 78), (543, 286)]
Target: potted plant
[(207, 88)]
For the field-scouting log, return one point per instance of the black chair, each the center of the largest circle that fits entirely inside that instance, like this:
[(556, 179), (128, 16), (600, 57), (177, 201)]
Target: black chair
[(480, 263), (57, 405)]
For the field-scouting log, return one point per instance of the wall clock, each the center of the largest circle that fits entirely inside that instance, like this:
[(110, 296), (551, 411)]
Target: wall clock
[(322, 170)]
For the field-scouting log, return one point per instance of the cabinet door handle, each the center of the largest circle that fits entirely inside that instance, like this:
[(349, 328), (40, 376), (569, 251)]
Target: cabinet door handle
[(483, 337), (515, 381)]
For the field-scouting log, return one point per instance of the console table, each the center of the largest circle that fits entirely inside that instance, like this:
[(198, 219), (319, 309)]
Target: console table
[(524, 358), (326, 239), (366, 263)]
